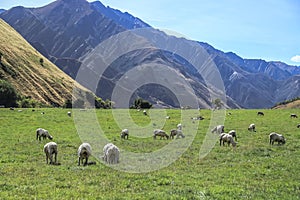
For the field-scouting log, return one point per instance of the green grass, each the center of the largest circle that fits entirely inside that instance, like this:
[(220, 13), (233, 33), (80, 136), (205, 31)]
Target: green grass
[(254, 170)]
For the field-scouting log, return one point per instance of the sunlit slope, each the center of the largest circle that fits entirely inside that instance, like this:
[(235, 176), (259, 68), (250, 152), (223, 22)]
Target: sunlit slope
[(30, 73)]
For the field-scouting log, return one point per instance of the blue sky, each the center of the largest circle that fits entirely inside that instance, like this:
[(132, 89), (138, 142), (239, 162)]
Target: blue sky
[(265, 29)]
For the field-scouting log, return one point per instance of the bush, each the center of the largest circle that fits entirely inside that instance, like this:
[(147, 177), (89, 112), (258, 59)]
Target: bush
[(8, 94), (140, 103)]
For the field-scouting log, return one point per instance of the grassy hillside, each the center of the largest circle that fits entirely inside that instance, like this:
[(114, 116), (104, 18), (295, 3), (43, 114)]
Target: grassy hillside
[(31, 74), (290, 104), (254, 170)]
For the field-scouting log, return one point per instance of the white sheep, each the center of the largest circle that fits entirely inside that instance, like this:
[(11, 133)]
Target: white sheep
[(124, 134), (225, 137), (218, 129), (51, 148), (275, 137), (251, 127), (293, 116), (179, 126), (233, 134), (177, 132), (69, 113), (161, 133), (84, 152), (42, 133), (145, 112), (111, 153)]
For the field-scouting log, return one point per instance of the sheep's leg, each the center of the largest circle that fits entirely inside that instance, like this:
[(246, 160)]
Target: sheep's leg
[(86, 161), (79, 161), (220, 142), (55, 157)]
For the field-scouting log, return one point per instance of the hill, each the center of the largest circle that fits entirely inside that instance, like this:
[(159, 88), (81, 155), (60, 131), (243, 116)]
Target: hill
[(288, 104), (31, 74), (78, 27)]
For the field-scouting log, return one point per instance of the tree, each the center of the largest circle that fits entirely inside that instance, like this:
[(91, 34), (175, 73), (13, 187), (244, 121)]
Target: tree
[(1, 57), (8, 94), (218, 103), (140, 103), (42, 61)]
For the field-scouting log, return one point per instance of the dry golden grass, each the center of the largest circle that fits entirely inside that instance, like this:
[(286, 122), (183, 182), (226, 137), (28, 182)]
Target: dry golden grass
[(45, 83), (291, 105)]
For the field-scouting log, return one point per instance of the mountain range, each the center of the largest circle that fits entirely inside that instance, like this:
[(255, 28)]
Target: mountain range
[(66, 31)]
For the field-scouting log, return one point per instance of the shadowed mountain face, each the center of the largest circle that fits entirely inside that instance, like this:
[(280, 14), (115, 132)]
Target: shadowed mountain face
[(66, 31)]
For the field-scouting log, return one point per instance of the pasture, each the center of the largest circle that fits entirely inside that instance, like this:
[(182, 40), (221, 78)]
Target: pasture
[(254, 170)]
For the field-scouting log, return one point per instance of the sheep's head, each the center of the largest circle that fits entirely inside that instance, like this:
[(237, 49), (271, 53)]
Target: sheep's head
[(50, 137), (283, 140)]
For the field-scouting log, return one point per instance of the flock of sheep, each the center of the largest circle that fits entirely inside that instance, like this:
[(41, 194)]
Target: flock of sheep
[(111, 152), (228, 137)]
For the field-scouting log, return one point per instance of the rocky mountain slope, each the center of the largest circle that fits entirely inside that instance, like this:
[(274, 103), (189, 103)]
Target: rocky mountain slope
[(31, 74), (65, 31)]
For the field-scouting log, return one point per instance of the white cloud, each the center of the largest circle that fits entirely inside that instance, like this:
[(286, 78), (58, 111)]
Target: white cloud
[(295, 58)]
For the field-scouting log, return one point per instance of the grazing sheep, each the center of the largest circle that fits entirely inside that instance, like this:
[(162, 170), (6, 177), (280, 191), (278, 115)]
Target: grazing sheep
[(251, 127), (298, 126), (69, 114), (124, 134), (275, 137), (294, 116), (233, 134), (197, 118), (145, 112), (178, 133), (168, 117), (42, 133), (218, 129), (161, 133), (111, 153), (260, 113), (179, 126), (50, 149), (84, 151), (225, 137)]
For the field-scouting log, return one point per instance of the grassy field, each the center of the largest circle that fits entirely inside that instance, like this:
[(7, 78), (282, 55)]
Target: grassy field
[(254, 170)]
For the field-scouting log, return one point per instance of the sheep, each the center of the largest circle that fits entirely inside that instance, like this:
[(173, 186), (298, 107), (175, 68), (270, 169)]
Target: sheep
[(69, 114), (225, 137), (197, 118), (124, 134), (161, 133), (84, 151), (251, 127), (298, 126), (42, 133), (294, 116), (179, 126), (111, 153), (145, 112), (275, 137), (177, 132), (218, 129), (51, 148), (233, 134), (260, 113)]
